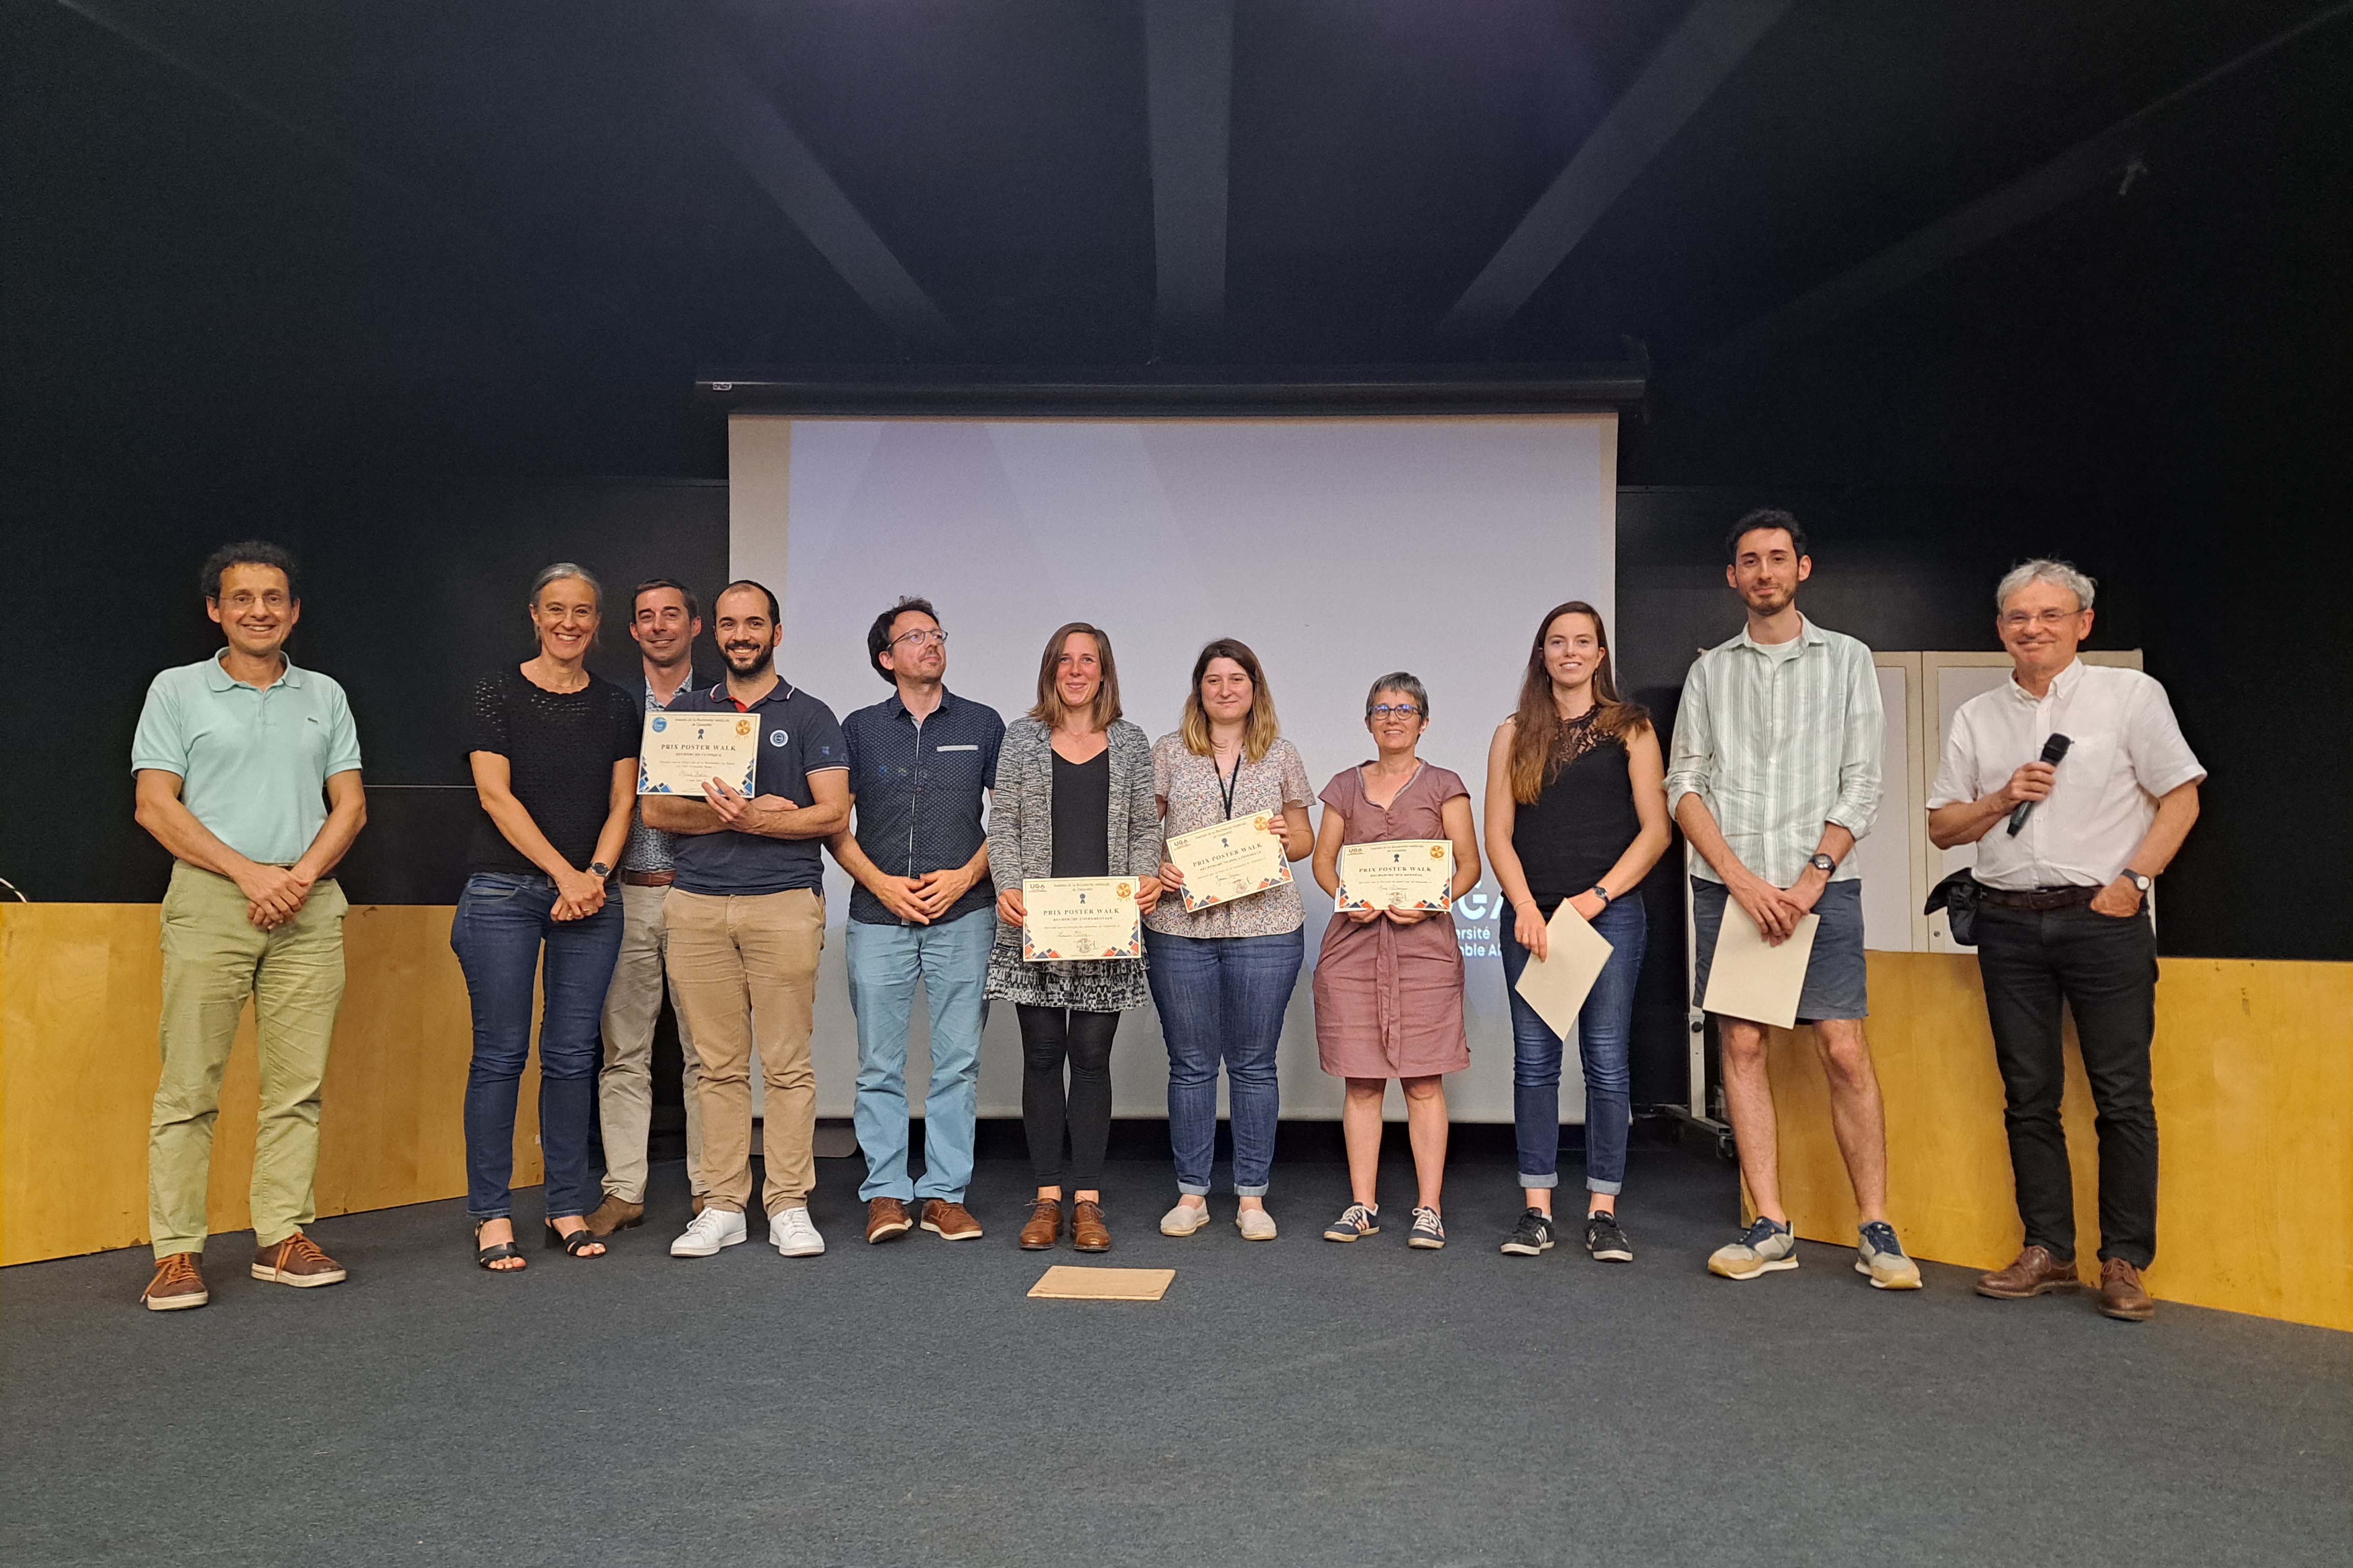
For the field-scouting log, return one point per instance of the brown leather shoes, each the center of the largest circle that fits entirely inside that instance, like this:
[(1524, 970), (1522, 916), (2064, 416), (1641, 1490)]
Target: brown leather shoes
[(886, 1219), (1045, 1224), (950, 1222), (615, 1214), (178, 1284), (2035, 1273), (296, 1262), (2121, 1295), (1088, 1232)]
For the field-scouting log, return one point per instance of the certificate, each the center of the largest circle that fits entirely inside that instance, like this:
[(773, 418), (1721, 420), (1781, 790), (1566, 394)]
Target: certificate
[(1067, 918), (1230, 860), (1397, 874), (1557, 985), (679, 752), (1750, 978)]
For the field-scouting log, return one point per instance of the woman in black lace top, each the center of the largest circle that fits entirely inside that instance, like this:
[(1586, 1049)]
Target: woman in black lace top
[(554, 751)]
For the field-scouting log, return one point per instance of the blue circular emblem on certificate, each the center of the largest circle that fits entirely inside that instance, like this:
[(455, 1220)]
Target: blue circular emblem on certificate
[(660, 725)]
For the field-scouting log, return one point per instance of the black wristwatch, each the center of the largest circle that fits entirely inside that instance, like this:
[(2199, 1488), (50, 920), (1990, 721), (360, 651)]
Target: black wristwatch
[(2136, 880), (1602, 893), (1821, 862), (598, 870)]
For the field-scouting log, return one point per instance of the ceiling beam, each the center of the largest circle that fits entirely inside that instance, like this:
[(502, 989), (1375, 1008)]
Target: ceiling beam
[(768, 148), (2111, 157), (1188, 91), (135, 25), (1689, 67)]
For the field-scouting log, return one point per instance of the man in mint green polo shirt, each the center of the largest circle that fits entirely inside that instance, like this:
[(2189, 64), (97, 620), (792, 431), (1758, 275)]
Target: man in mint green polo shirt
[(248, 772)]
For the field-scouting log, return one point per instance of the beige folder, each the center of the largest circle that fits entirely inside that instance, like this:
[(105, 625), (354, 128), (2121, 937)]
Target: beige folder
[(1557, 985), (1749, 979), (1070, 1282)]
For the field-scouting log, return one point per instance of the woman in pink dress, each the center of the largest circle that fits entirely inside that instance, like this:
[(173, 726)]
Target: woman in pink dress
[(1388, 983)]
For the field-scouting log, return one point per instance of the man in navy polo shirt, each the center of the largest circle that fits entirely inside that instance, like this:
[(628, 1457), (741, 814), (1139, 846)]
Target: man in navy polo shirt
[(921, 763), (745, 919)]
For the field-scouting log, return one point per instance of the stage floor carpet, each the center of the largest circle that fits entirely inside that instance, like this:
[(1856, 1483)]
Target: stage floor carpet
[(1288, 1402)]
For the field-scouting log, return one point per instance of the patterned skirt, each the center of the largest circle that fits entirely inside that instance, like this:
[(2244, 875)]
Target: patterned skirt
[(1103, 985)]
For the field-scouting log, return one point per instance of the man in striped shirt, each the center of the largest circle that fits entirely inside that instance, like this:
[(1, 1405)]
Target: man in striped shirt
[(1774, 777)]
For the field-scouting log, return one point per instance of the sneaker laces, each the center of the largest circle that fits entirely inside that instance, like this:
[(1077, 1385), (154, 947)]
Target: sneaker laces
[(1882, 1237), (1427, 1219), (710, 1222), (1758, 1234), (1357, 1216)]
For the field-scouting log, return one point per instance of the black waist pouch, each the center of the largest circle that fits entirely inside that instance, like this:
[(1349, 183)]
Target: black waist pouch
[(1957, 895)]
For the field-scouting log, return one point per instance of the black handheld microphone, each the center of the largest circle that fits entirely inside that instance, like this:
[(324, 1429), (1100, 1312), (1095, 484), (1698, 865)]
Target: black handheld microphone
[(2053, 749)]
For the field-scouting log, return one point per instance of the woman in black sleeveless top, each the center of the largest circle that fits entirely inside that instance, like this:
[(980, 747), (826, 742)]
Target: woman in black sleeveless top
[(1577, 813)]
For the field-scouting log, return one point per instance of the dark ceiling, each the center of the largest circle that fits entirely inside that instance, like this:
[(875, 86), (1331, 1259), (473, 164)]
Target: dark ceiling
[(515, 232)]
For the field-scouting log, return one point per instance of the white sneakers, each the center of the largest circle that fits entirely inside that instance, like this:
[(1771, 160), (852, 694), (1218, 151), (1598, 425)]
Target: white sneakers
[(793, 1234), (708, 1232)]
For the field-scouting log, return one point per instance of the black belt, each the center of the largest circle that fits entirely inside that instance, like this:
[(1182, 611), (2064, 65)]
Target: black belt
[(2037, 898)]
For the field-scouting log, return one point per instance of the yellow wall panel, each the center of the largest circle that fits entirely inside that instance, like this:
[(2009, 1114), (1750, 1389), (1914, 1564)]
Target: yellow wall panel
[(79, 989), (2253, 1070)]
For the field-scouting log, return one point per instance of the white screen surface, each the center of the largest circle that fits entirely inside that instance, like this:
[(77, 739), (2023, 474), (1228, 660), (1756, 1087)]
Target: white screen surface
[(1339, 550)]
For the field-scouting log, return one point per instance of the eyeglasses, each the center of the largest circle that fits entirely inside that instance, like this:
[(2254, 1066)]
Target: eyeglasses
[(1392, 710), (2019, 620), (920, 639)]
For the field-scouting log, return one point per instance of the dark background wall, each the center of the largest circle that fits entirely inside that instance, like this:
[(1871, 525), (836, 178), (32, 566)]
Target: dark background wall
[(402, 297)]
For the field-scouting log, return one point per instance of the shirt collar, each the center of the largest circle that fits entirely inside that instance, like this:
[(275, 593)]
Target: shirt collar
[(2062, 684), (897, 705), (217, 678), (1809, 635), (781, 691)]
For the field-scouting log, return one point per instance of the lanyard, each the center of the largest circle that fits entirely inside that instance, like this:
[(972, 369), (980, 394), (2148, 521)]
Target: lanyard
[(1227, 785)]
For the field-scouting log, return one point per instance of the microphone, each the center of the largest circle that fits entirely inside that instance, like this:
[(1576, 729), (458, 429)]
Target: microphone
[(2053, 750)]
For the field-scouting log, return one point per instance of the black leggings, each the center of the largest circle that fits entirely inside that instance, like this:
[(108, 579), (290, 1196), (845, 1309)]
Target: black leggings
[(1049, 1035)]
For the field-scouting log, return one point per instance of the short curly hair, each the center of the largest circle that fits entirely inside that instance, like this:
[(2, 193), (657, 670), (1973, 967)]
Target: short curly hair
[(248, 552)]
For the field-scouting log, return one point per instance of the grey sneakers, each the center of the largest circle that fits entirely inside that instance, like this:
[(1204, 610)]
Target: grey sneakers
[(1880, 1256), (1764, 1248)]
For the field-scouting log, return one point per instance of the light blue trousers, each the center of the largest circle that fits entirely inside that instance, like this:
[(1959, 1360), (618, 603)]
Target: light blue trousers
[(885, 961)]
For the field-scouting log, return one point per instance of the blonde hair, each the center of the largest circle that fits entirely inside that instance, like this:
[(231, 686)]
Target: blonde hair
[(1105, 710), (1260, 731)]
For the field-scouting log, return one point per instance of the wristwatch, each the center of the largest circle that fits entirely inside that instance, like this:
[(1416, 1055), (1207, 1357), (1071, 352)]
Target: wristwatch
[(2136, 880), (599, 869), (1598, 891), (1821, 862)]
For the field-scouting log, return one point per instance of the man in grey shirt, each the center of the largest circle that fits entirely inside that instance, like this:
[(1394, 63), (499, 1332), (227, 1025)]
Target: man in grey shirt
[(1775, 775)]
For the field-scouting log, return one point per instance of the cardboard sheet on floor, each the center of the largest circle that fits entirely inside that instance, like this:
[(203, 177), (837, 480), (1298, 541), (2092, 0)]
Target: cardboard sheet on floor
[(1070, 1282)]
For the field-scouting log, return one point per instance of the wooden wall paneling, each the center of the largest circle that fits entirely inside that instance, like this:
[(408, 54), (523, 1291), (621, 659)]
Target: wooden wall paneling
[(2253, 1076)]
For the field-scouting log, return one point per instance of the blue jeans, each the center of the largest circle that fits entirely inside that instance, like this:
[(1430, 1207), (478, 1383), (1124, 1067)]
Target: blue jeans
[(1603, 1026), (1223, 996), (884, 961), (502, 920)]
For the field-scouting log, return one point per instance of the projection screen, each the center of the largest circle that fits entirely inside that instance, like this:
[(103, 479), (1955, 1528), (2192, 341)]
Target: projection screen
[(1338, 549)]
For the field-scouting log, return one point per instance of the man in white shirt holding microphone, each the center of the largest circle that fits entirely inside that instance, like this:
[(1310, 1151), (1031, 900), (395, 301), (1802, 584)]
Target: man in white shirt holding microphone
[(2067, 849)]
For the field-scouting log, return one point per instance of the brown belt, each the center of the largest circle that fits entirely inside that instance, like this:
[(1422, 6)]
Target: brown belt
[(648, 878), (2037, 898)]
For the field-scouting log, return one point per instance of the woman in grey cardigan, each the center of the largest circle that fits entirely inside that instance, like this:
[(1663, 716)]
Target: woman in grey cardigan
[(1073, 798)]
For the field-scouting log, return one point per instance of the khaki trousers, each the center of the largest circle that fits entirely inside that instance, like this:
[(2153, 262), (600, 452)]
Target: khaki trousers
[(624, 1089), (756, 955), (213, 960)]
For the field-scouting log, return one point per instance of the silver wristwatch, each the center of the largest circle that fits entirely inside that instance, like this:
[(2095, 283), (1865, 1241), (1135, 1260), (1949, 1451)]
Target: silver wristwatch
[(1821, 862), (2137, 880)]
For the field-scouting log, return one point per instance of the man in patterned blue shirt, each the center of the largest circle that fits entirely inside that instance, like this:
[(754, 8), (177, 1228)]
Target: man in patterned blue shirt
[(921, 763)]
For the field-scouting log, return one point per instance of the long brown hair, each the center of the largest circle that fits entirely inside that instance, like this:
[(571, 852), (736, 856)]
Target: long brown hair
[(1259, 729), (1105, 710), (1536, 725)]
